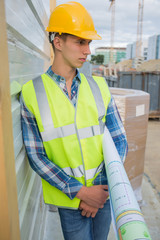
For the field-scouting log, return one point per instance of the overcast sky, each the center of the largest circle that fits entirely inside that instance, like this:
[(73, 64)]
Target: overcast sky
[(125, 20)]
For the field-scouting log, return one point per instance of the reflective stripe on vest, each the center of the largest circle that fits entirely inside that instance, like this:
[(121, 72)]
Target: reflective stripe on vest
[(78, 172), (50, 132)]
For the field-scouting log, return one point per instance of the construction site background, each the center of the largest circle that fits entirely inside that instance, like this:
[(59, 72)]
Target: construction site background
[(126, 66)]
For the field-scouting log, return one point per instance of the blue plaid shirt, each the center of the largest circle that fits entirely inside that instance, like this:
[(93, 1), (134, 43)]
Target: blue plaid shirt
[(37, 157)]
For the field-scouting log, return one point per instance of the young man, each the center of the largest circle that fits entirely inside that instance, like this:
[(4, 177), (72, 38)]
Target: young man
[(63, 118)]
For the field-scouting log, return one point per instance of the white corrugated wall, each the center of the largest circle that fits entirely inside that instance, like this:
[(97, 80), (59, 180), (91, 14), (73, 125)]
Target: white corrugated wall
[(29, 56)]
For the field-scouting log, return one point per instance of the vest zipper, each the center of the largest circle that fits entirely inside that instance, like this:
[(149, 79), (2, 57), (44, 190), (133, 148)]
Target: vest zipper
[(79, 138)]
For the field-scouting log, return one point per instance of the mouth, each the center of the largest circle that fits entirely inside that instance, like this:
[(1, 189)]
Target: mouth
[(82, 59)]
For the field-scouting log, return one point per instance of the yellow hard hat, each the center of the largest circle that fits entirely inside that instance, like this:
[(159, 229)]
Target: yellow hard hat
[(72, 18)]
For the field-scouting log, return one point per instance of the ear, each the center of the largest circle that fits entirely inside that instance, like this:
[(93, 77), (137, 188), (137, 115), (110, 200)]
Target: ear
[(57, 42)]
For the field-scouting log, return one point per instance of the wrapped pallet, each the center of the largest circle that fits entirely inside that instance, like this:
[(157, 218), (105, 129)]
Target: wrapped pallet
[(133, 106)]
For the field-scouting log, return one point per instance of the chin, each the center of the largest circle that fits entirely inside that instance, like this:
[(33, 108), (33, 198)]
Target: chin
[(77, 64), (80, 65)]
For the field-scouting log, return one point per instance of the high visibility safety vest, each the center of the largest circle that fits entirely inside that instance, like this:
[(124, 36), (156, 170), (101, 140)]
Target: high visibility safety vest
[(72, 137)]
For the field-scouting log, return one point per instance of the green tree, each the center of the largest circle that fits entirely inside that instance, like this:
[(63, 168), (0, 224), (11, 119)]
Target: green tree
[(93, 58), (99, 59)]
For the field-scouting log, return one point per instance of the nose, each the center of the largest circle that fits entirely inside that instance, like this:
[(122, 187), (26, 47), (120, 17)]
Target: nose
[(87, 50)]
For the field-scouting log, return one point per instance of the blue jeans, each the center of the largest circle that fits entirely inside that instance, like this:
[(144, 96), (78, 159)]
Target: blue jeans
[(77, 227)]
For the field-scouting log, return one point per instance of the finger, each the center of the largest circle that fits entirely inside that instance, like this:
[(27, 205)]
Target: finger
[(93, 214), (105, 187), (83, 213), (88, 214), (102, 206)]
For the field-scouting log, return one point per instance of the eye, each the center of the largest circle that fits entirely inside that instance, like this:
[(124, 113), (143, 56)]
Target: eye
[(81, 41)]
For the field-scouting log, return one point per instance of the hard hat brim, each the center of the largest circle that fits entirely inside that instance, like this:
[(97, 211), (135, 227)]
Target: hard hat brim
[(91, 35)]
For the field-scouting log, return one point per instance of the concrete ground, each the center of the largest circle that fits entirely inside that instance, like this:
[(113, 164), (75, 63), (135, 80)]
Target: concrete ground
[(151, 183), (152, 155), (150, 204)]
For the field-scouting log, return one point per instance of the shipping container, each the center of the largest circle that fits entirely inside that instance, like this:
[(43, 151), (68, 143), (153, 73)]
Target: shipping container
[(145, 81)]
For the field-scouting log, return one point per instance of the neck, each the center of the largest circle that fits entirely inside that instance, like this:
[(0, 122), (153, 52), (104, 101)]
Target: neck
[(63, 70)]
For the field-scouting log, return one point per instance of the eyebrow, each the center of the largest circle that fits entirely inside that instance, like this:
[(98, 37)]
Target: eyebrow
[(83, 39)]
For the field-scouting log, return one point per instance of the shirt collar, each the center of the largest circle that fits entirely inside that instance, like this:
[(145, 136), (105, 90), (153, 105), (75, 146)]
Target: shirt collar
[(60, 78)]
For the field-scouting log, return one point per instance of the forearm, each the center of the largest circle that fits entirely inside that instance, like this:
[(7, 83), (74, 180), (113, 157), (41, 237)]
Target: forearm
[(54, 175), (101, 179), (116, 129)]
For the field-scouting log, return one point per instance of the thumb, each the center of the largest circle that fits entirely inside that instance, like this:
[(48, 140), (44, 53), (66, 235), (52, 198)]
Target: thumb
[(105, 187)]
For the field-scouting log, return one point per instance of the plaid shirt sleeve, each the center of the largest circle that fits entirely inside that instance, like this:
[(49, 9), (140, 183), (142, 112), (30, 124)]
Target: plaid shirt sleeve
[(116, 129), (38, 159)]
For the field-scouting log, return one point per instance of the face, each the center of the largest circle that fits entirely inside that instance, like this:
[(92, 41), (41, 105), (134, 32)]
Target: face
[(74, 51)]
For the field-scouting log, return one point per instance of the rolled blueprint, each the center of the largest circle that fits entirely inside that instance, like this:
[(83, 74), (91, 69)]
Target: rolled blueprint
[(127, 217)]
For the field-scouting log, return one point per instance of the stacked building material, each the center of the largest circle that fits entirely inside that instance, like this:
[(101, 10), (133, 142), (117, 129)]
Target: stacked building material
[(125, 65), (133, 106), (151, 65)]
